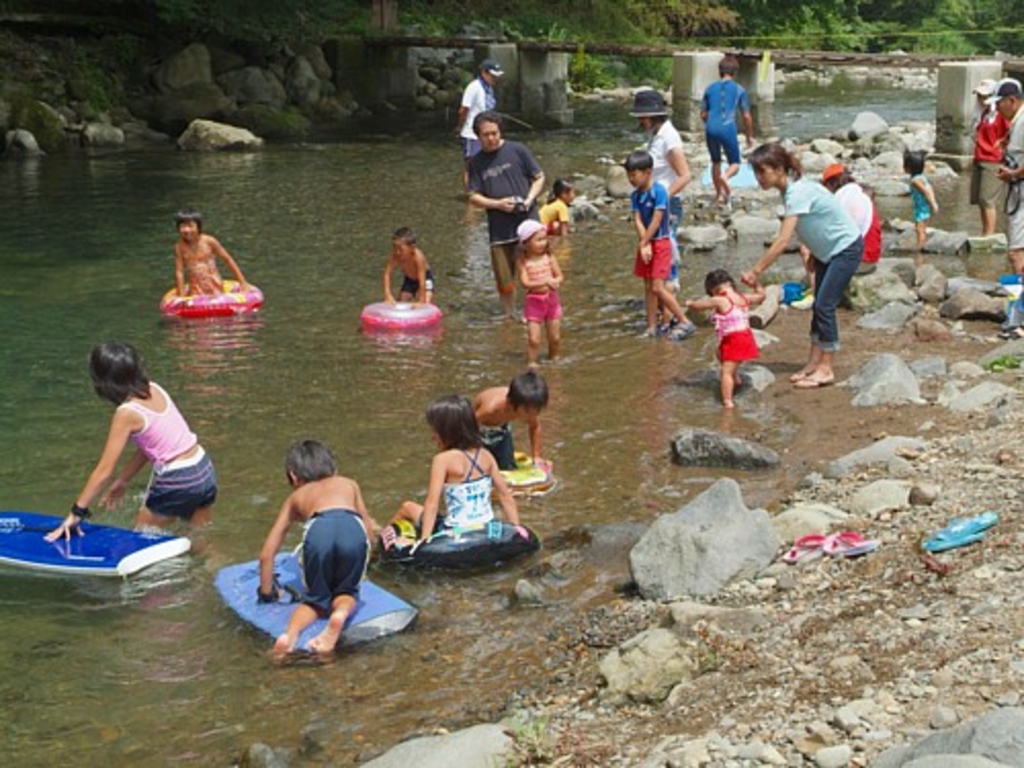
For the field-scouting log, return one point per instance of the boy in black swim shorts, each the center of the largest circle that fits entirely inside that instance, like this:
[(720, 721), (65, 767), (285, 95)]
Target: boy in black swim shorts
[(335, 546)]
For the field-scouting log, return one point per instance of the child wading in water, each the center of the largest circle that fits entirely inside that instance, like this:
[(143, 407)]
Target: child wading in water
[(335, 545), (195, 257), (732, 323), (496, 407), (541, 276), (923, 196), (417, 277), (653, 261), (183, 485), (463, 472), (555, 214)]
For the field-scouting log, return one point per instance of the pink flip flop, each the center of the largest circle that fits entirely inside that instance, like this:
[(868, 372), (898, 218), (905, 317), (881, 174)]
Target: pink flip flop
[(805, 548), (848, 544)]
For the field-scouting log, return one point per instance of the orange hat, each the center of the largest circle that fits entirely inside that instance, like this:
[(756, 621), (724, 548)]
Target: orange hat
[(830, 172)]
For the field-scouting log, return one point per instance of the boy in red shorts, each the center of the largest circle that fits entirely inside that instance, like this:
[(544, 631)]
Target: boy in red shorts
[(653, 260)]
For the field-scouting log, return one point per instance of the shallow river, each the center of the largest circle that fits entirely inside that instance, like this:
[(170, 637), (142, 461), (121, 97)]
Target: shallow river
[(155, 671)]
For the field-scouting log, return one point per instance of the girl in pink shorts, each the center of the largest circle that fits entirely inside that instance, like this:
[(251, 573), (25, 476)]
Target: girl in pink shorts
[(541, 276)]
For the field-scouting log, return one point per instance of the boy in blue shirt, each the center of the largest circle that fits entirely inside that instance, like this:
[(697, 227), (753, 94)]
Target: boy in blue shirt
[(718, 110), (653, 260)]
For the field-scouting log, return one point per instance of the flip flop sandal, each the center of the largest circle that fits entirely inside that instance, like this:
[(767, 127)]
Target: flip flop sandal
[(805, 548), (960, 532), (849, 544)]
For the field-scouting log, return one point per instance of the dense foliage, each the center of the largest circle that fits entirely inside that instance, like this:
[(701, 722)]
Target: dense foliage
[(944, 26)]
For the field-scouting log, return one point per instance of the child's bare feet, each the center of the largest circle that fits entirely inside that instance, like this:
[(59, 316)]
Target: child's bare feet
[(728, 404), (328, 639), (284, 644)]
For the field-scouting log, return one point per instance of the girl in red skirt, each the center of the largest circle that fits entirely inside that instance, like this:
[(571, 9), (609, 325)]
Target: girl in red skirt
[(732, 323)]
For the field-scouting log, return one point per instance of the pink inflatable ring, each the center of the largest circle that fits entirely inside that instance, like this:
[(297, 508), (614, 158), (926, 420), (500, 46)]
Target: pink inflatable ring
[(400, 316), (232, 302)]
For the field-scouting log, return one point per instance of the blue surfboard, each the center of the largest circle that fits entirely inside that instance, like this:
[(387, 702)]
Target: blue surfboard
[(378, 612), (102, 550), (744, 178)]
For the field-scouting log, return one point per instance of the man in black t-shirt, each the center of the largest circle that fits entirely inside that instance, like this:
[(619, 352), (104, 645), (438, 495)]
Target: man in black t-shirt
[(504, 180)]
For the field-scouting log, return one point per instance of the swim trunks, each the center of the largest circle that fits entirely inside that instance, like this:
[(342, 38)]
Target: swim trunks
[(335, 552), (412, 285), (498, 440)]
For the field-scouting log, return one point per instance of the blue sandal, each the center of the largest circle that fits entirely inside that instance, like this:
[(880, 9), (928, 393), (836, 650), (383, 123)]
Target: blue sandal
[(960, 532)]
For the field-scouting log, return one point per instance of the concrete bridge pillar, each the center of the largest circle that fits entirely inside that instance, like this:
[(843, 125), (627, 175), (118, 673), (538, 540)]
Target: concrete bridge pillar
[(954, 104), (507, 55), (692, 73), (543, 88), (758, 77)]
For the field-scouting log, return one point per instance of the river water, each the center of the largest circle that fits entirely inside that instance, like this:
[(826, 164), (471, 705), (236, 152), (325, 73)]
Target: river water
[(155, 671)]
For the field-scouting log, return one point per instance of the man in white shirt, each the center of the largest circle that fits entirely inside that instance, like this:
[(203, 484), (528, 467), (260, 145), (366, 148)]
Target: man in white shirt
[(478, 97)]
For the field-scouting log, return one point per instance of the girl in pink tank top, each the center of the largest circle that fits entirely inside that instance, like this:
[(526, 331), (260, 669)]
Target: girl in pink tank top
[(541, 276), (183, 484), (731, 319)]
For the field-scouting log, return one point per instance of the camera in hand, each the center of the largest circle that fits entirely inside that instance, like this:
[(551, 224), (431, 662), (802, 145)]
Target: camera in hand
[(1009, 161), (518, 205)]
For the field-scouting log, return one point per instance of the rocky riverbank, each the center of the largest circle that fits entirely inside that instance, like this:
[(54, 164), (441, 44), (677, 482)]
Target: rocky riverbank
[(832, 661)]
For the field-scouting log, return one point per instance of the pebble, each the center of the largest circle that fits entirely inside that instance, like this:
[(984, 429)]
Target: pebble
[(943, 717), (833, 757)]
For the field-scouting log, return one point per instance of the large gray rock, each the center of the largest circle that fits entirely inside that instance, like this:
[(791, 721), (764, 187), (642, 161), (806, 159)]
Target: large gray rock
[(954, 761), (189, 66), (646, 667), (302, 84), (1014, 348), (868, 125), (879, 452), (703, 238), (102, 135), (253, 85), (753, 229), (172, 112), (881, 496), (704, 448), (807, 517), (969, 304), (867, 293), (703, 546), (988, 287), (951, 243), (617, 183), (997, 736), (206, 136), (20, 142), (981, 396), (892, 316), (931, 284), (481, 746), (884, 379)]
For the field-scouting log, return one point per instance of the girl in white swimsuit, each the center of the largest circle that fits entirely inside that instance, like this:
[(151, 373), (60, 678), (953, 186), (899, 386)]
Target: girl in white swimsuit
[(463, 472)]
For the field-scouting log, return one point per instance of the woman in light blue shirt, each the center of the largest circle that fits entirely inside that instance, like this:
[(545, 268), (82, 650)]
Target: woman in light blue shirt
[(824, 226)]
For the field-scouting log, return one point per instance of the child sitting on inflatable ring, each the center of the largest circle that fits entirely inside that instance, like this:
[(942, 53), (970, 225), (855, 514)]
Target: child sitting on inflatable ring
[(522, 400), (463, 472), (418, 278), (335, 546), (196, 254)]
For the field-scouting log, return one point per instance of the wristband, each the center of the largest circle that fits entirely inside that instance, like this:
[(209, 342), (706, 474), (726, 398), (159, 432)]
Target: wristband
[(80, 512), (272, 596)]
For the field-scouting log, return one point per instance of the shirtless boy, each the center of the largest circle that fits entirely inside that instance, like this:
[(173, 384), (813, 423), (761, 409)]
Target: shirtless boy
[(335, 545), (522, 400), (418, 278), (196, 254)]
